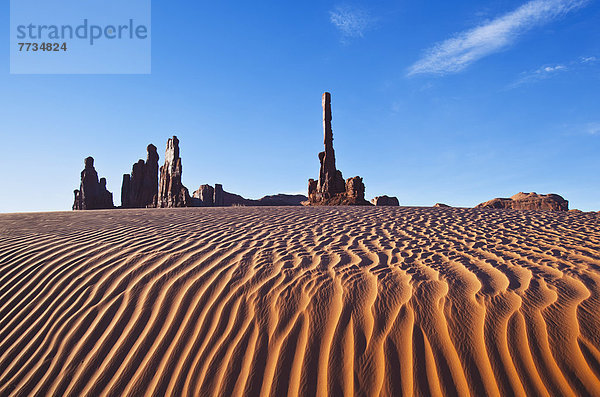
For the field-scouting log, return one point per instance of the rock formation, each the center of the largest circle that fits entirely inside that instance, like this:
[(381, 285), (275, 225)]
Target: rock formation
[(92, 194), (330, 188), (207, 196), (385, 201), (126, 191), (140, 189), (529, 201), (219, 197), (441, 205), (171, 192), (204, 196), (283, 200)]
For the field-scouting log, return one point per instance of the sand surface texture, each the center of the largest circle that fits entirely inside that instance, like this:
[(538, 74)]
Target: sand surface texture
[(300, 301)]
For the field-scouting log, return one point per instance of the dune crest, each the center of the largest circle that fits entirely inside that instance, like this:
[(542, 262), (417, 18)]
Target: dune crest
[(300, 301)]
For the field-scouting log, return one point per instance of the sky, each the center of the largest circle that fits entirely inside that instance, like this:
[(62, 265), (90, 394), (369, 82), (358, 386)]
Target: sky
[(433, 101)]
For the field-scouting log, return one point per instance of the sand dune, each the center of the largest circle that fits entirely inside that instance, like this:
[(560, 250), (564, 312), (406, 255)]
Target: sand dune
[(300, 301)]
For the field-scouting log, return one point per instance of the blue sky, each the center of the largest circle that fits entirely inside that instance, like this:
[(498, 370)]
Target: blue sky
[(436, 101)]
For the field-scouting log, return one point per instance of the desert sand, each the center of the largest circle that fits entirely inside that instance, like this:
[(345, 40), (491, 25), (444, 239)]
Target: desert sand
[(300, 301)]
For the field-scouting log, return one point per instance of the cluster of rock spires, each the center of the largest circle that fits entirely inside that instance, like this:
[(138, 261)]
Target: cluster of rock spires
[(92, 193), (330, 188), (529, 201), (146, 188)]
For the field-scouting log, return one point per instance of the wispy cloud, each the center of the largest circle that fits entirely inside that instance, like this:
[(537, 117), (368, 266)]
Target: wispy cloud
[(539, 74), (352, 22), (548, 71), (580, 129), (460, 51), (593, 128)]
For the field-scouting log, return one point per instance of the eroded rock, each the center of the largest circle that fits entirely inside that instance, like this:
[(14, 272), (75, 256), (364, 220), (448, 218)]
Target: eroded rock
[(204, 196), (171, 192), (140, 189), (385, 201), (92, 193), (529, 201), (219, 197), (330, 188)]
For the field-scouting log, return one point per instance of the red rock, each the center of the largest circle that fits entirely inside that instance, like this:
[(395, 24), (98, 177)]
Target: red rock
[(529, 201), (140, 189), (386, 201), (92, 194), (171, 192), (219, 197), (330, 188), (207, 196), (279, 200), (204, 196)]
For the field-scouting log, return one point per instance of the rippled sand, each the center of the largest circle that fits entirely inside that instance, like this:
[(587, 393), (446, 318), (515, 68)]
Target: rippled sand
[(300, 301)]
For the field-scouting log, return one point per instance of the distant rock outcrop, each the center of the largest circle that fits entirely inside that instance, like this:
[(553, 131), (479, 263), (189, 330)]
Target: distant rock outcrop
[(207, 196), (529, 201), (171, 192), (386, 201), (92, 194), (204, 196), (330, 188), (441, 205), (140, 189), (279, 200)]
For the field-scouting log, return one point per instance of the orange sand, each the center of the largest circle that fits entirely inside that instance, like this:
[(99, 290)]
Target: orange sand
[(300, 301)]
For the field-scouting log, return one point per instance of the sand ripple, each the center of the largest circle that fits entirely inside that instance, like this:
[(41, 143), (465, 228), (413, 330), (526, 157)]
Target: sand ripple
[(300, 301)]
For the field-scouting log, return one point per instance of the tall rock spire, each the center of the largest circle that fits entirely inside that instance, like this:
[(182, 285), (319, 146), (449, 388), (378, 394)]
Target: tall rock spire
[(331, 181), (171, 192), (331, 187)]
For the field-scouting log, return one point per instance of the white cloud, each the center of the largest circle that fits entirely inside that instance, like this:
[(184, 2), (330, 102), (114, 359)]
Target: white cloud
[(588, 59), (460, 51), (352, 22), (550, 69)]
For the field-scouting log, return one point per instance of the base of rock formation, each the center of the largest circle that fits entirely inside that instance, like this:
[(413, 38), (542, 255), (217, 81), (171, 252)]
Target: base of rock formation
[(354, 194)]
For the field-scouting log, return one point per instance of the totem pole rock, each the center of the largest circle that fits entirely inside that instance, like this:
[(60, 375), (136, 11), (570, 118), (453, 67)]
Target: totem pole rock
[(330, 188), (171, 192), (92, 194), (330, 181)]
